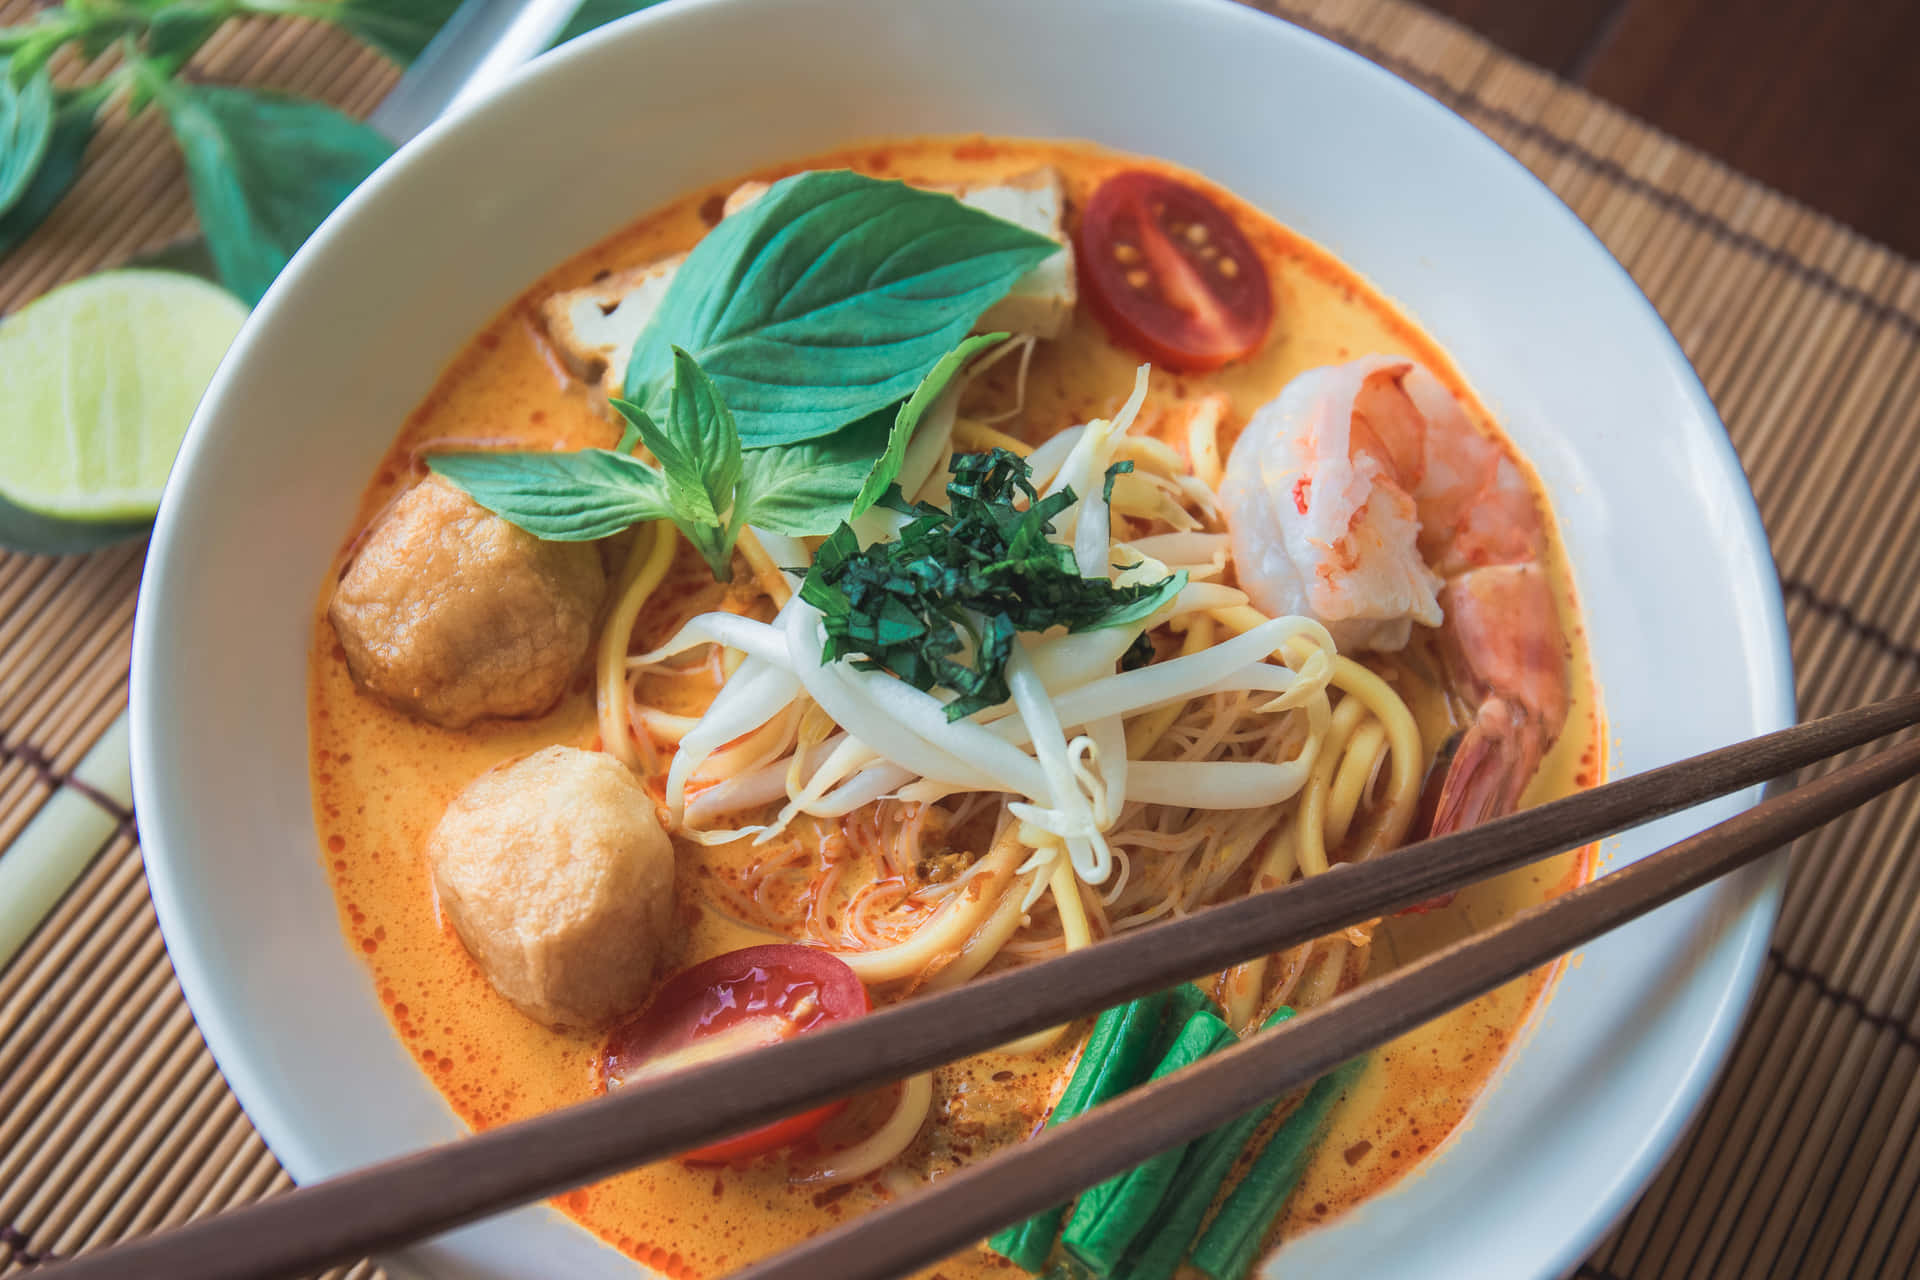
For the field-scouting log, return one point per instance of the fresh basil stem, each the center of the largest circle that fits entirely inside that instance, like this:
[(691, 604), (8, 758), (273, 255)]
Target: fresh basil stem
[(177, 32), (29, 47)]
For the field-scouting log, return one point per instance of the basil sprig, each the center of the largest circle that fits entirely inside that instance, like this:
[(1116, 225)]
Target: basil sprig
[(699, 454), (706, 482), (829, 298), (822, 304), (264, 168)]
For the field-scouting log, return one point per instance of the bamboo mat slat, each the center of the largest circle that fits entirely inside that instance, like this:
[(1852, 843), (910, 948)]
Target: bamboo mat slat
[(1806, 1162)]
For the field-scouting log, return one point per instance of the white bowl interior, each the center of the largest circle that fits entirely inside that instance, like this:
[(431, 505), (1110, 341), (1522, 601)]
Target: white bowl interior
[(1672, 566)]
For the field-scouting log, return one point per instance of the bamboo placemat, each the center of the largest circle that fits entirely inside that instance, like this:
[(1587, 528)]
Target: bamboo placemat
[(114, 1120)]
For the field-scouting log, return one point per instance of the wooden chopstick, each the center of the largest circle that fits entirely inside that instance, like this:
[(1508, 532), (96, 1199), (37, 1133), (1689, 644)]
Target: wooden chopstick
[(412, 1197), (1062, 1161)]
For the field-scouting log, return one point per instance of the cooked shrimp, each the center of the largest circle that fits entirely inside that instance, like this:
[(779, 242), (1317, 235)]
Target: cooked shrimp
[(1364, 497)]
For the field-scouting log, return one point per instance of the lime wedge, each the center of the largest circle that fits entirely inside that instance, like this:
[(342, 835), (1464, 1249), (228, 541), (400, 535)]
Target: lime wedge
[(101, 377)]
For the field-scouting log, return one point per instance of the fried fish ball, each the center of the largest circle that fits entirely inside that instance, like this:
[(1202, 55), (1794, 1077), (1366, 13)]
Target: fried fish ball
[(451, 614), (557, 876)]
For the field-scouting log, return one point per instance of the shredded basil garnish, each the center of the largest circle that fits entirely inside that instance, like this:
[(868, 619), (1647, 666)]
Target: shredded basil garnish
[(940, 606)]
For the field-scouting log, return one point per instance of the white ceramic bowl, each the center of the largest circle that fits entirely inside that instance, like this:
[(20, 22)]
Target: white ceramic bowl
[(1672, 566)]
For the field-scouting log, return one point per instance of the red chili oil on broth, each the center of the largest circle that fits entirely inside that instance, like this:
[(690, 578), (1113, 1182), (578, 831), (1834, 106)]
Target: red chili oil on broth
[(381, 779)]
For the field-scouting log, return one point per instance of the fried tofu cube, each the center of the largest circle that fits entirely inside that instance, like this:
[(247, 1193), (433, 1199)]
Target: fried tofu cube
[(594, 327), (1041, 301), (742, 196)]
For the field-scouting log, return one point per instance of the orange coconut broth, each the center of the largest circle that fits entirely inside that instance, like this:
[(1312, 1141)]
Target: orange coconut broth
[(381, 779)]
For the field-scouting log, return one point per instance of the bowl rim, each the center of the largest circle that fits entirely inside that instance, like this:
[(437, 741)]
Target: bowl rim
[(1775, 704)]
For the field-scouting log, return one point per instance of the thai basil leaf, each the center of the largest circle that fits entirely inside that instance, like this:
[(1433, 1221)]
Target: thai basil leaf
[(831, 296), (593, 14), (265, 169), (808, 488), (26, 128), (699, 450), (561, 497), (59, 166), (930, 389), (699, 455)]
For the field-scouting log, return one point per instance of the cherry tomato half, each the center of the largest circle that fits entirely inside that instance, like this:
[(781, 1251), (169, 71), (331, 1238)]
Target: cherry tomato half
[(732, 1003), (1170, 274)]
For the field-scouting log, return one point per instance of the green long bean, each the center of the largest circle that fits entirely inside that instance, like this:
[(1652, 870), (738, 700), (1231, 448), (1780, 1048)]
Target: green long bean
[(1164, 1240), (1108, 1217), (1231, 1245), (1125, 1043)]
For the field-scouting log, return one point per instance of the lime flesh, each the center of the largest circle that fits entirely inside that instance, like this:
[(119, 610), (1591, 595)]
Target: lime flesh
[(100, 379)]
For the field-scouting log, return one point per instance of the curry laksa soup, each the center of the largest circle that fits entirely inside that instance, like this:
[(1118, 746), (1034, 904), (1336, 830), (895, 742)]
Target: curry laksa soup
[(905, 564)]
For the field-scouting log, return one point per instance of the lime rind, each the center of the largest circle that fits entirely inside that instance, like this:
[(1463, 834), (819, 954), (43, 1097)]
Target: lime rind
[(123, 504), (24, 529)]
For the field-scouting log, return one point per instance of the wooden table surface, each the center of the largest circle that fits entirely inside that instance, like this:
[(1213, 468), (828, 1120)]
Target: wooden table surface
[(1819, 98)]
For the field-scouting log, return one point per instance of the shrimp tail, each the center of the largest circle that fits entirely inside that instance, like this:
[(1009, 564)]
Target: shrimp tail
[(1491, 764), (1497, 755)]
